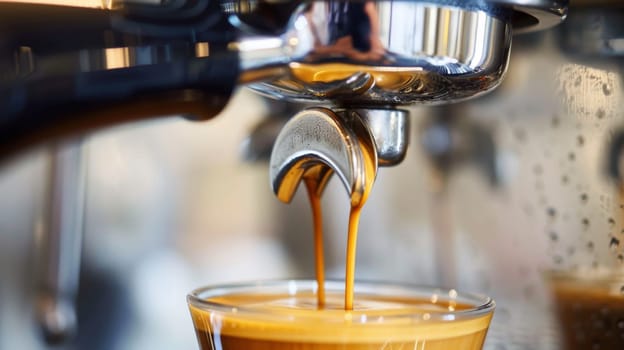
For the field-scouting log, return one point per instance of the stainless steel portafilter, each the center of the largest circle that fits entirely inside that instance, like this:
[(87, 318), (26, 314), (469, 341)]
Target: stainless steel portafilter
[(367, 58)]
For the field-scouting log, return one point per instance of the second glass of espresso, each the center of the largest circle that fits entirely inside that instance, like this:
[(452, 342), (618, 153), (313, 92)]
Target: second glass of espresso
[(285, 315)]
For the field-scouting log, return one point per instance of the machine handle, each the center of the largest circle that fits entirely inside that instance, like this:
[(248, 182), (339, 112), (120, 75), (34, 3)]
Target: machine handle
[(44, 96), (34, 110), (53, 29)]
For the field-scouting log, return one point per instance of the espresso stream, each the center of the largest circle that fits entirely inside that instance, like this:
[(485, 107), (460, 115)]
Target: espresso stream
[(319, 256), (328, 319), (354, 220)]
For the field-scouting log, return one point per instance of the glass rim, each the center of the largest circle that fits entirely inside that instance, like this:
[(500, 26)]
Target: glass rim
[(585, 275), (480, 305)]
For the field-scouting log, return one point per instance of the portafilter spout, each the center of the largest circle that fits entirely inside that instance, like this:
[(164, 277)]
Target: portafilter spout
[(376, 55), (318, 142)]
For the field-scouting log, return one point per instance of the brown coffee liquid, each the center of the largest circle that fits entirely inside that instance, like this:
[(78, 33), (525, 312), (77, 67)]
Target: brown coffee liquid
[(314, 182), (294, 322), (329, 319), (354, 220), (591, 314), (317, 216), (393, 79)]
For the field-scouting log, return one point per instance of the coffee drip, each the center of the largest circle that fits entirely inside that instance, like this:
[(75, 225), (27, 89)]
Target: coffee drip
[(338, 143), (352, 235)]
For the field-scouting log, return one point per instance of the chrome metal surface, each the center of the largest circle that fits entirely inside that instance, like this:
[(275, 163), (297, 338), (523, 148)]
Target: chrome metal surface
[(357, 83), (59, 243), (318, 142), (390, 130), (264, 53), (533, 15), (529, 15), (415, 52)]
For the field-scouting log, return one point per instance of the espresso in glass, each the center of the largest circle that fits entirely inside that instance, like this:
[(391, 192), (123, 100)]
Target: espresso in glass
[(321, 315), (590, 308), (285, 315)]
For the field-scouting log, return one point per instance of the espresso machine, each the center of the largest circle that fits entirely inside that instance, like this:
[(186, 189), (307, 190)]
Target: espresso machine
[(512, 176)]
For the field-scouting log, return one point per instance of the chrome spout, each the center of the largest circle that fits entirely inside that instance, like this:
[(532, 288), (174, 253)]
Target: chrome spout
[(319, 142)]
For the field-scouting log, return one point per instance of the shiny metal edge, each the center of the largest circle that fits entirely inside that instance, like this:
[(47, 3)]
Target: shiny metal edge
[(422, 53)]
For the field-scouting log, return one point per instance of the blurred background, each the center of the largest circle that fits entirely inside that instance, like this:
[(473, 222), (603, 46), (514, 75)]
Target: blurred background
[(173, 205)]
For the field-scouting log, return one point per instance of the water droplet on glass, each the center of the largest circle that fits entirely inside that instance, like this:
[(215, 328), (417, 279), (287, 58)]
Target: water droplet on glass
[(621, 258), (571, 251), (552, 212), (600, 113), (557, 259), (615, 243), (452, 294), (584, 198), (580, 140), (620, 323), (607, 89), (622, 291), (553, 236), (571, 156), (611, 222), (565, 179), (585, 222), (555, 121), (590, 245)]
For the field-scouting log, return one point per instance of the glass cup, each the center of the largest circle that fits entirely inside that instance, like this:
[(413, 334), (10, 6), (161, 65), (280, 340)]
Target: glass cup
[(590, 308), (284, 315)]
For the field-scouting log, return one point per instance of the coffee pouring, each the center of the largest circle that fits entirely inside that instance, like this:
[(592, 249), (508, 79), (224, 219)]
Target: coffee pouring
[(360, 64)]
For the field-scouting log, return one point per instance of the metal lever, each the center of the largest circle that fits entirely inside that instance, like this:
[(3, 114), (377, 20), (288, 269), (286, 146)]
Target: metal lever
[(59, 244), (318, 142)]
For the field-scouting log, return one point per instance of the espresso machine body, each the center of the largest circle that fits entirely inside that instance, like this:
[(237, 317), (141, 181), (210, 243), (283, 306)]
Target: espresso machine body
[(507, 155)]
